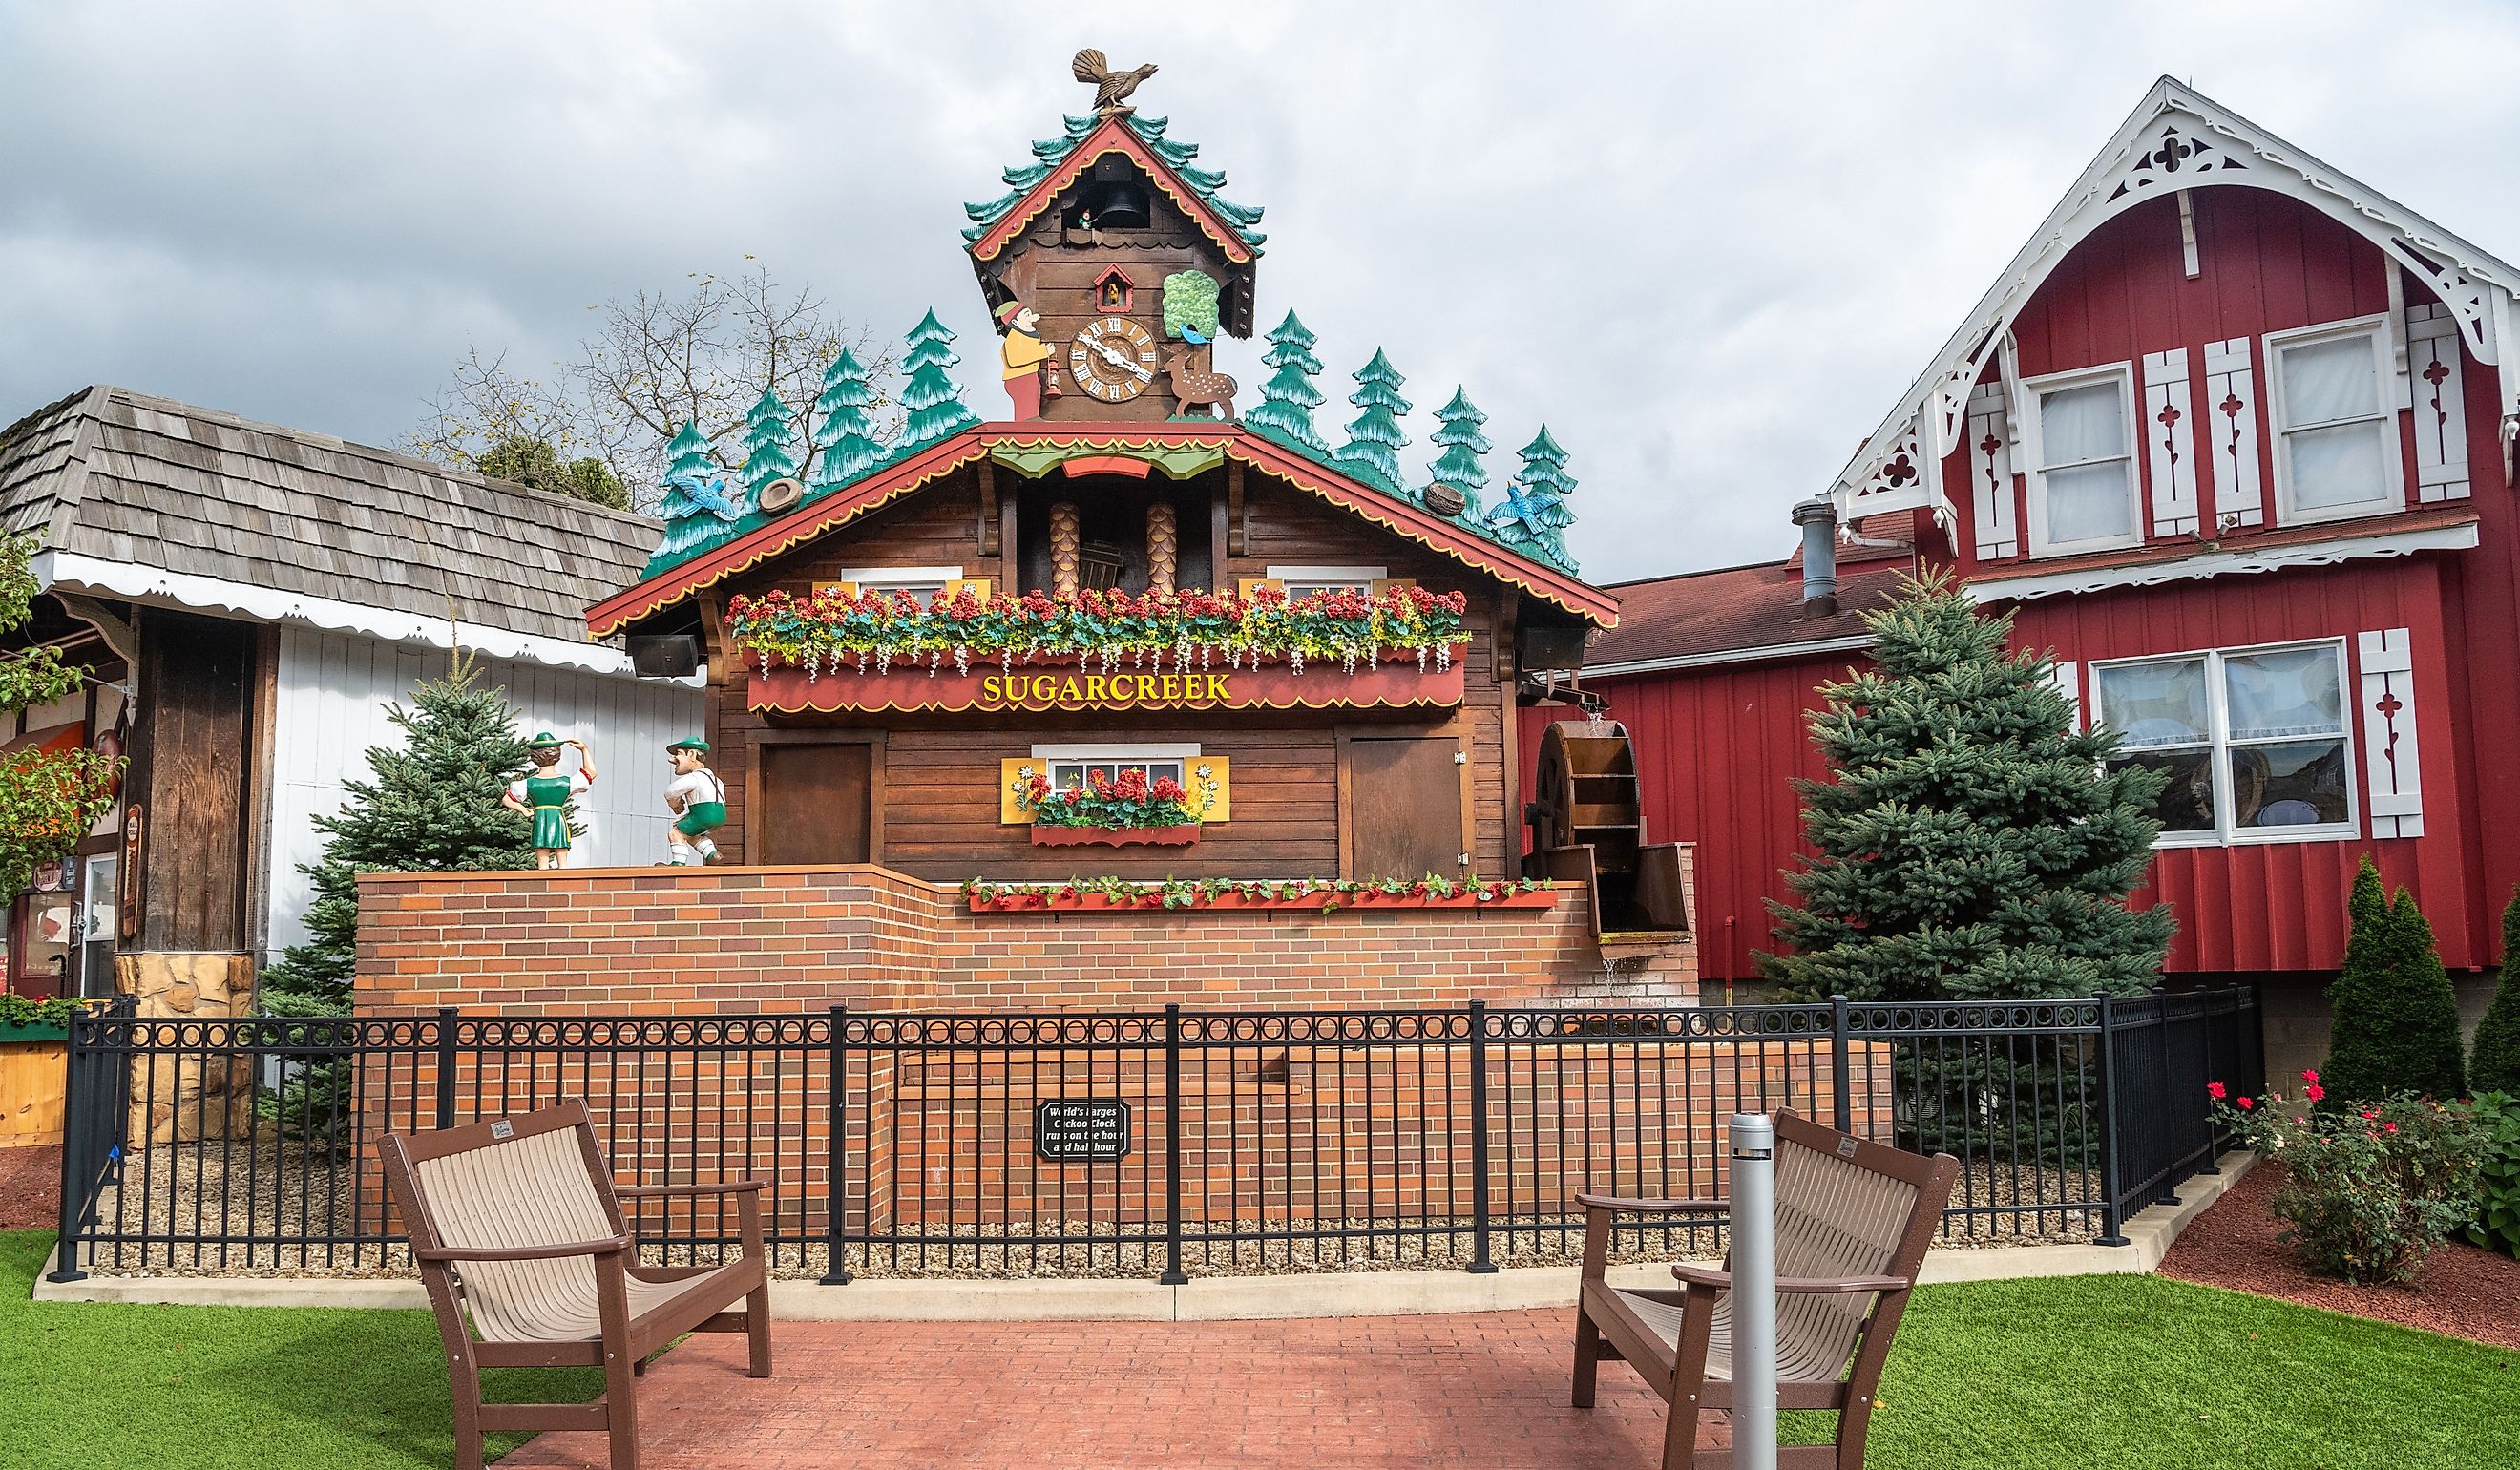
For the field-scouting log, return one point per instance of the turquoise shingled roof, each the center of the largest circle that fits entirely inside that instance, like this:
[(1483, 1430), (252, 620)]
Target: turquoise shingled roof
[(1048, 152)]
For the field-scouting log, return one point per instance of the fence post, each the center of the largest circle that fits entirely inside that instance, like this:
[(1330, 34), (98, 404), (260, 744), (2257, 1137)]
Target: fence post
[(1844, 1079), (2112, 1221), (76, 1145), (1480, 1227), (2205, 1029), (836, 1257), (1173, 1275), (446, 1066)]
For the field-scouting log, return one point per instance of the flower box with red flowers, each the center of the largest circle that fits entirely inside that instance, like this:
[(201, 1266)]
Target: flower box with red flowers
[(1115, 811), (1268, 895)]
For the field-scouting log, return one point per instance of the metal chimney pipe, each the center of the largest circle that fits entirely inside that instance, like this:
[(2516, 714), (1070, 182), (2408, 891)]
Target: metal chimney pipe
[(1754, 1288), (1819, 520)]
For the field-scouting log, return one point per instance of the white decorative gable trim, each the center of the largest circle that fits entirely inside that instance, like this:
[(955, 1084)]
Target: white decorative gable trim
[(2175, 139), (2170, 440), (67, 571), (2454, 538), (2440, 409), (2389, 760)]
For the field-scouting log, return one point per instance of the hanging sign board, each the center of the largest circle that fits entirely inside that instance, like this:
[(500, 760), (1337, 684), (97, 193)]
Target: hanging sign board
[(1396, 683), (1081, 1130)]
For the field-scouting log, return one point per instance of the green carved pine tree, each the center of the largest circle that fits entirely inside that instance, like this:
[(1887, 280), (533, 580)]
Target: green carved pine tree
[(431, 805), (1373, 437), (846, 439), (931, 397), (2395, 1020), (1972, 844), (1535, 515), (1284, 411), (691, 453), (769, 443), (1462, 464), (2493, 1066)]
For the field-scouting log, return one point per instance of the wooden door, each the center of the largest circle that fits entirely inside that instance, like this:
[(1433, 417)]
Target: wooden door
[(1401, 806), (815, 804)]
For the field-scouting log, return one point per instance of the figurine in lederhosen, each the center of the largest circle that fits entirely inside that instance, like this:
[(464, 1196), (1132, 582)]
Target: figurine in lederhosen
[(697, 800), (545, 795)]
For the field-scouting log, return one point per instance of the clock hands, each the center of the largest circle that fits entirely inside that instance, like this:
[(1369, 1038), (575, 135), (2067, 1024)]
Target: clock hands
[(1120, 360)]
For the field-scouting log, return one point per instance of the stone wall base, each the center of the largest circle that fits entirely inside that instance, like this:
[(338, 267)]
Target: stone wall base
[(190, 1096)]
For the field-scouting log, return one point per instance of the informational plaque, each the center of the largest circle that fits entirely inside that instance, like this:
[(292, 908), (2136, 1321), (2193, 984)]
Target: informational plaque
[(1081, 1130)]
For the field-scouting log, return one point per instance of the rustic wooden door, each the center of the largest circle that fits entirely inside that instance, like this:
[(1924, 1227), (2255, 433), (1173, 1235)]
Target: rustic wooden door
[(1401, 806), (816, 804)]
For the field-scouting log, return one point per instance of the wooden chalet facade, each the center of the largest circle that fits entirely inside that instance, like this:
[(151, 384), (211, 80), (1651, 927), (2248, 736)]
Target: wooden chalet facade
[(1355, 760), (2232, 434)]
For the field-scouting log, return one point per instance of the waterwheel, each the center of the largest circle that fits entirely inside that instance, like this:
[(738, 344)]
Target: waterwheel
[(1587, 816)]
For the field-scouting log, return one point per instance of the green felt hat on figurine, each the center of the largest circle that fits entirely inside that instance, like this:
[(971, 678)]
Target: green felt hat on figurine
[(691, 743), (543, 742)]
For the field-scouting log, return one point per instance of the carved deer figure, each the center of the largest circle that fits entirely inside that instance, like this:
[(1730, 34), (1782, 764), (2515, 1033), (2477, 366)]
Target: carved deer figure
[(1195, 385)]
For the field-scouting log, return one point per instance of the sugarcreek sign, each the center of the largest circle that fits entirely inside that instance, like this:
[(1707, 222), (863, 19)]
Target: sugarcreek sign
[(1395, 683)]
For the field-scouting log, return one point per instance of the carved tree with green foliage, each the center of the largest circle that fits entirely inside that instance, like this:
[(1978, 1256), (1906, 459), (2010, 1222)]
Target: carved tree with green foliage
[(1462, 464), (1535, 515), (1191, 300), (1373, 437), (2394, 1024), (49, 799), (1971, 843), (691, 453), (1284, 411), (768, 444), (848, 436), (933, 399)]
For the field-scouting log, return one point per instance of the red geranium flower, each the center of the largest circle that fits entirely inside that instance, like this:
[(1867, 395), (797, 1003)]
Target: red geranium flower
[(2313, 1092)]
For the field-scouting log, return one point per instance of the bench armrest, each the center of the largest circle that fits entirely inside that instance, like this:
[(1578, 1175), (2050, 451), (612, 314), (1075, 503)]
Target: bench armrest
[(1626, 1206), (661, 1191), (606, 1247), (1793, 1287)]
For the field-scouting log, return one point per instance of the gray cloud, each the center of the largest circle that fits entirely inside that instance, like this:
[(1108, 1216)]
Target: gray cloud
[(1706, 246)]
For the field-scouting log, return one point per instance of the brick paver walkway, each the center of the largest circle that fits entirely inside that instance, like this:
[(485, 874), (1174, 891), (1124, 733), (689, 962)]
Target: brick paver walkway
[(1485, 1389)]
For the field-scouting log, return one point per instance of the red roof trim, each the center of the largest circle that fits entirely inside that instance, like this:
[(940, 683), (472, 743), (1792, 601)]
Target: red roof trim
[(1111, 136), (658, 593)]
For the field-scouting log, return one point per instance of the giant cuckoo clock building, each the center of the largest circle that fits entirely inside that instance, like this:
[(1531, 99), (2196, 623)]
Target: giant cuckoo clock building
[(1130, 620)]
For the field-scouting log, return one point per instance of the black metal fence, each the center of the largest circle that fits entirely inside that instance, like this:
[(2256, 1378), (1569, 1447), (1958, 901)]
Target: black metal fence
[(1163, 1143)]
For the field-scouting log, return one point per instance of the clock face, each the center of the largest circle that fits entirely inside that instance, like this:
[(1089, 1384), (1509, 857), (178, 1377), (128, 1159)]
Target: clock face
[(1113, 359)]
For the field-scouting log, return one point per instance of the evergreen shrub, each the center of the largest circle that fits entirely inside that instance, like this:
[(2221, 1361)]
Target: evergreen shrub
[(2395, 1023)]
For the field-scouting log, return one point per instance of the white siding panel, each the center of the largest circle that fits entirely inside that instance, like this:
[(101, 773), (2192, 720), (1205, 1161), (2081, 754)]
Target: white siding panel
[(334, 689)]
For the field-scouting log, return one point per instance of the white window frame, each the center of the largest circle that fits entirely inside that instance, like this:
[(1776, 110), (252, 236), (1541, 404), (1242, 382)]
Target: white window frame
[(2035, 468), (2226, 833), (1098, 753), (1314, 579), (926, 581), (2392, 496)]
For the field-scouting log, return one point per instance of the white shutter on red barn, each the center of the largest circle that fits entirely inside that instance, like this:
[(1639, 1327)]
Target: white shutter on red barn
[(2068, 678), (2441, 414), (2389, 763), (2231, 433), (2171, 437), (1989, 459)]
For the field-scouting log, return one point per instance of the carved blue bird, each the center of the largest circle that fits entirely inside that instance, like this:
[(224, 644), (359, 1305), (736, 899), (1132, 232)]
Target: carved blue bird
[(1192, 335), (692, 492)]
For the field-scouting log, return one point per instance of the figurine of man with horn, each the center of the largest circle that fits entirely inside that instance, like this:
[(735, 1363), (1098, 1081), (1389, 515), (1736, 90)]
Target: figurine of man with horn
[(545, 795)]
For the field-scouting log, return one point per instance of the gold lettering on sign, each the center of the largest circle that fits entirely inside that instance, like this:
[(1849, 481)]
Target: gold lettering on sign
[(1103, 690)]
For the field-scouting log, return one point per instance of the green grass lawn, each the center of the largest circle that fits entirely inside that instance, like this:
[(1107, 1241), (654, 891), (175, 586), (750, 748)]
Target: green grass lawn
[(2109, 1371)]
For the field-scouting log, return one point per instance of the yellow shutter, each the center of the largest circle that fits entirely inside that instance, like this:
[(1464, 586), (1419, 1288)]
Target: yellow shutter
[(1207, 781), (1381, 585), (849, 589), (979, 587), (1246, 585), (1013, 773)]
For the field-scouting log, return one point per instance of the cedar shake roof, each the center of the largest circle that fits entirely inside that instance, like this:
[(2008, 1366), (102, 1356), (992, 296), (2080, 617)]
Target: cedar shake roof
[(123, 478), (1735, 608)]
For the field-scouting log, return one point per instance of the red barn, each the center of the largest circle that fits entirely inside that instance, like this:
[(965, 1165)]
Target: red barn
[(2232, 434)]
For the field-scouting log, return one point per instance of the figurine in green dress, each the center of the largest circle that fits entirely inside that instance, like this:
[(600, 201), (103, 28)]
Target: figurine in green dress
[(545, 795)]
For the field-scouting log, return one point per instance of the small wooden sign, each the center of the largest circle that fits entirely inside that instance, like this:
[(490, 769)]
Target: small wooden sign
[(1081, 1130), (134, 828)]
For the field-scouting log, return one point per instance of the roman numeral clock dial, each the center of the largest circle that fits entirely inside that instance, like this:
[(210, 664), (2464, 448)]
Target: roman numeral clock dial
[(1112, 359)]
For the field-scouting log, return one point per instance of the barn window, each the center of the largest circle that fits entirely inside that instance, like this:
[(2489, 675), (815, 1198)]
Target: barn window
[(2253, 741), (2336, 451), (920, 582), (2083, 493), (1305, 581)]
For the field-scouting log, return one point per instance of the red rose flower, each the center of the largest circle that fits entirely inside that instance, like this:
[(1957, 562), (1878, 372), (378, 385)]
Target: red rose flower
[(2247, 1105)]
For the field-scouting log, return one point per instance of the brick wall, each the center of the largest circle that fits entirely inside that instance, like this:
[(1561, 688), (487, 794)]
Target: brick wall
[(592, 941)]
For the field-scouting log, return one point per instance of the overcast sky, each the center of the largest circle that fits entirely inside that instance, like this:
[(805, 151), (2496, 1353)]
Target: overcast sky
[(1707, 245)]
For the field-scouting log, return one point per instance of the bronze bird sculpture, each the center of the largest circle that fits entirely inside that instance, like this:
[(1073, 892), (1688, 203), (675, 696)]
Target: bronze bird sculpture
[(1112, 88)]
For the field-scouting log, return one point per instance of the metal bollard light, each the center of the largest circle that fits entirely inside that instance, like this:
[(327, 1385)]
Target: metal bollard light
[(1754, 1292)]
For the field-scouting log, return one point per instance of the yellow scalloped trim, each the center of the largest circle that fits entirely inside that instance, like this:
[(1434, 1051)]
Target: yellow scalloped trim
[(1234, 246)]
